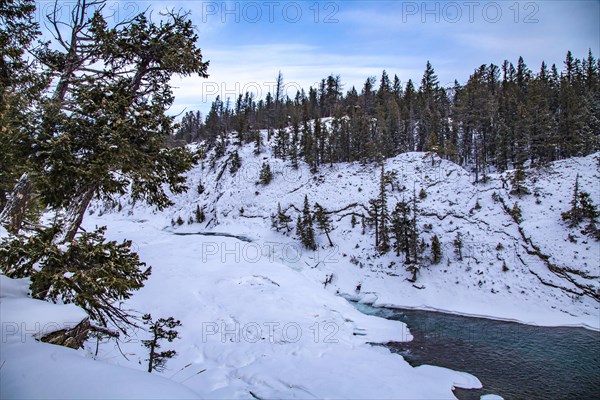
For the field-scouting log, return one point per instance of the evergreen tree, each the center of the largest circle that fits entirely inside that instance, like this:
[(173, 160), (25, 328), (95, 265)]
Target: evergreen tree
[(160, 330), (234, 162), (458, 246), (199, 214), (415, 247), (266, 175), (436, 250), (305, 228), (517, 182), (323, 221), (95, 274), (281, 220), (401, 229), (516, 213), (582, 208), (384, 240)]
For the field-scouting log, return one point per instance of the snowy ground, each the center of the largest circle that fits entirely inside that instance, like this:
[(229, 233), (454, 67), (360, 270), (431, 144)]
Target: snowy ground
[(476, 285), (258, 320), (257, 327)]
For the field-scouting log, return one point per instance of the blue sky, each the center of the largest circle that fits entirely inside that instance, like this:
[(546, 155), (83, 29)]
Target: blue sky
[(248, 42)]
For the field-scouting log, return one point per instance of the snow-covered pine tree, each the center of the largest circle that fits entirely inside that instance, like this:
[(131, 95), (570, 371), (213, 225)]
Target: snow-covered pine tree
[(161, 329), (436, 250), (281, 219), (265, 175), (304, 227), (323, 221), (234, 162), (458, 246), (401, 229)]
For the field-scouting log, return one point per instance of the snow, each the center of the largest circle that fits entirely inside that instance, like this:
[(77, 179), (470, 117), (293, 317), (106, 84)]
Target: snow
[(32, 369), (476, 285), (265, 328), (258, 319)]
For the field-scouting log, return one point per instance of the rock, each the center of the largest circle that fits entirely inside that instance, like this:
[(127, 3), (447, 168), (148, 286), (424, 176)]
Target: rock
[(73, 338)]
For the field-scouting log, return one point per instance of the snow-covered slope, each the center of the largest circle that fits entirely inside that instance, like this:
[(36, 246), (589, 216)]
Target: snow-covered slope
[(478, 284), (259, 319), (34, 370)]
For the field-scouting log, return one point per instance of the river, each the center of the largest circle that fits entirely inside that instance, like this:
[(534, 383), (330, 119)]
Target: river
[(512, 360)]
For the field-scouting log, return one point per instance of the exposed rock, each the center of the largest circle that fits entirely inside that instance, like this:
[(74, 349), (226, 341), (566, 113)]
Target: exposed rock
[(73, 338)]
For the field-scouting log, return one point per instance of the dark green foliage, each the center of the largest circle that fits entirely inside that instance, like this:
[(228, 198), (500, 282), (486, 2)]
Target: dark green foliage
[(582, 209), (422, 194), (90, 272), (501, 117), (436, 250), (518, 183), (265, 175), (103, 131), (516, 213), (458, 245), (402, 229), (323, 221), (234, 162), (160, 330), (280, 220), (304, 227), (179, 220), (199, 214)]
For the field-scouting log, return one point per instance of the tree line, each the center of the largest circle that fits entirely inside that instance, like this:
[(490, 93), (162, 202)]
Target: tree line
[(500, 118)]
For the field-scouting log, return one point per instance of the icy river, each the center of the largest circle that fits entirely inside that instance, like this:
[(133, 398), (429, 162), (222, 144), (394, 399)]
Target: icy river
[(512, 360)]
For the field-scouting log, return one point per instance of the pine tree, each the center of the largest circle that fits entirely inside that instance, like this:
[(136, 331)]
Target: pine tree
[(121, 107), (257, 142), (384, 239), (160, 330), (199, 214), (458, 246), (374, 218), (415, 247), (323, 221), (281, 220), (280, 147), (266, 175), (582, 208), (234, 162), (517, 182), (305, 228), (401, 229), (436, 250), (95, 274), (516, 213)]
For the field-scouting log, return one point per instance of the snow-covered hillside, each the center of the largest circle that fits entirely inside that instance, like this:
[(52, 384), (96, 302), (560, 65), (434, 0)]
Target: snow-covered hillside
[(534, 289), (263, 317)]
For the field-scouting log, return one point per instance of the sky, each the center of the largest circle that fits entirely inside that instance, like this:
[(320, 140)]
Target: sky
[(249, 42)]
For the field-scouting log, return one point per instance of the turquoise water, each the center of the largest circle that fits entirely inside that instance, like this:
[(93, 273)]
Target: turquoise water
[(515, 361)]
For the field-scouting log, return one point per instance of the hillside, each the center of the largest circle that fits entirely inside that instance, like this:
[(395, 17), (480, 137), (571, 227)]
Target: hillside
[(562, 289), (264, 317)]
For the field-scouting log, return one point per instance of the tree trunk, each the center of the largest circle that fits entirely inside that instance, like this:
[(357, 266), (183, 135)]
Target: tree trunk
[(328, 238), (13, 215), (74, 215)]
